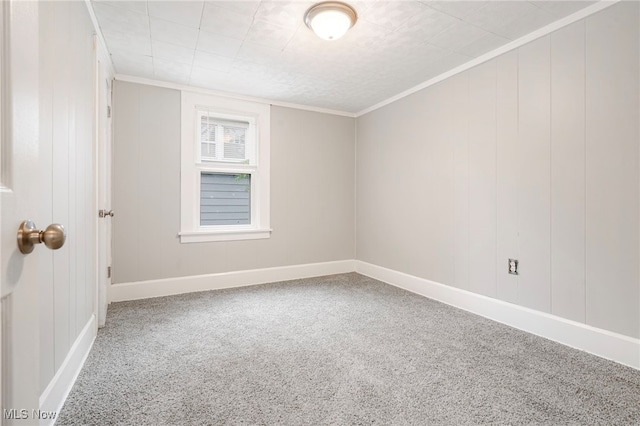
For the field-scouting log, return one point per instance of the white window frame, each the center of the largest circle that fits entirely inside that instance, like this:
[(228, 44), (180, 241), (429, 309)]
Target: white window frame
[(258, 117)]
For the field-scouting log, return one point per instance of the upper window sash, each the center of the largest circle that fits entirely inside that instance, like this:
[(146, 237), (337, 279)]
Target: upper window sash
[(225, 138)]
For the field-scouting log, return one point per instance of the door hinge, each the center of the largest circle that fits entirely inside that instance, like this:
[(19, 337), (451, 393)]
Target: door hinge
[(108, 271), (108, 111)]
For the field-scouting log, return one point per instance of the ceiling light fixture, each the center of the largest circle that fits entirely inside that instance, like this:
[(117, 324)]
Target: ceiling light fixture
[(330, 20)]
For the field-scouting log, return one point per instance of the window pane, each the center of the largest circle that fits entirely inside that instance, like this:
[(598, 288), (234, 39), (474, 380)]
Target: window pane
[(207, 138), (207, 129), (225, 199), (234, 142), (208, 151)]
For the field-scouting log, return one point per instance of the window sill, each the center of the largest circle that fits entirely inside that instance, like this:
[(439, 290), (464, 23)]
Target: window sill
[(226, 235)]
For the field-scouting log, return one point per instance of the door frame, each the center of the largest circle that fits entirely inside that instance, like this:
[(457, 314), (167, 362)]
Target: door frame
[(103, 71)]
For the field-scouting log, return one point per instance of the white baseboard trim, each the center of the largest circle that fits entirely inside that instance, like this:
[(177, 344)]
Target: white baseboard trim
[(170, 286), (606, 344), (54, 396)]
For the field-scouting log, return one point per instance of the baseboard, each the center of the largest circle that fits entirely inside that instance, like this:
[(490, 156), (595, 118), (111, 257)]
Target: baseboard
[(54, 396), (616, 347), (179, 285)]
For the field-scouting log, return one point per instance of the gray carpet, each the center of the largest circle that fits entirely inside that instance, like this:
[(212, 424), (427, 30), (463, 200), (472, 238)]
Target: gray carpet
[(342, 349)]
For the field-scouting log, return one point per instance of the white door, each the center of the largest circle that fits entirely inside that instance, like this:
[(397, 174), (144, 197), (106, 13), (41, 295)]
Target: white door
[(19, 200), (104, 191)]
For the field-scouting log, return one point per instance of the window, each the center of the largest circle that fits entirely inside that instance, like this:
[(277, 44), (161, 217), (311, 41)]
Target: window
[(224, 169)]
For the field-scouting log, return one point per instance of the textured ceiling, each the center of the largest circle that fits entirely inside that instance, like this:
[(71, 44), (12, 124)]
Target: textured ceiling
[(263, 49)]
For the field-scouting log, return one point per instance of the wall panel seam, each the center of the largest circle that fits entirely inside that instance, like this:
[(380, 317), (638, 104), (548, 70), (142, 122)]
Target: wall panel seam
[(586, 287), (496, 178), (519, 177), (469, 280), (550, 175)]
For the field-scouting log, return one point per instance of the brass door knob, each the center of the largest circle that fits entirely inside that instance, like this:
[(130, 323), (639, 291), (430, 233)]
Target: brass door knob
[(28, 236)]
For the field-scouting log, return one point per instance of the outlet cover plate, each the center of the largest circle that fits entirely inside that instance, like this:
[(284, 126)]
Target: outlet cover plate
[(513, 266)]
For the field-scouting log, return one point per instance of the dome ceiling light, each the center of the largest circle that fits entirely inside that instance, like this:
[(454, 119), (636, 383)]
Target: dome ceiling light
[(330, 20)]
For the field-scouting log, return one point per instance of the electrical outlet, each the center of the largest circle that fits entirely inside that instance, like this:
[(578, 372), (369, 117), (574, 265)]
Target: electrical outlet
[(513, 266)]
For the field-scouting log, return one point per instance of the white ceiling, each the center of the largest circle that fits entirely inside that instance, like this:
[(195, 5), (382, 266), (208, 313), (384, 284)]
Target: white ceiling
[(263, 49)]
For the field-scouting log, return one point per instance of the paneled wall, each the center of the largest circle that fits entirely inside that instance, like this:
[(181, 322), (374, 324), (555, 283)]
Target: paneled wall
[(312, 192), (612, 73), (68, 275), (533, 155)]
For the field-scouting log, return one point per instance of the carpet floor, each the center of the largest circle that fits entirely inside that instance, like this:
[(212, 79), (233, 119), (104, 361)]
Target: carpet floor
[(342, 349)]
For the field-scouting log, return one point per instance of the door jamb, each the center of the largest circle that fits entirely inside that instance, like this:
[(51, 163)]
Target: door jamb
[(96, 186)]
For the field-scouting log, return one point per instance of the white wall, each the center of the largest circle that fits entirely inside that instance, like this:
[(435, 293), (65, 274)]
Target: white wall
[(532, 155), (312, 192), (67, 285)]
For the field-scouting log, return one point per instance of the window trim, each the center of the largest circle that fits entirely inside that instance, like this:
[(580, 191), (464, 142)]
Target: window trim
[(191, 168)]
